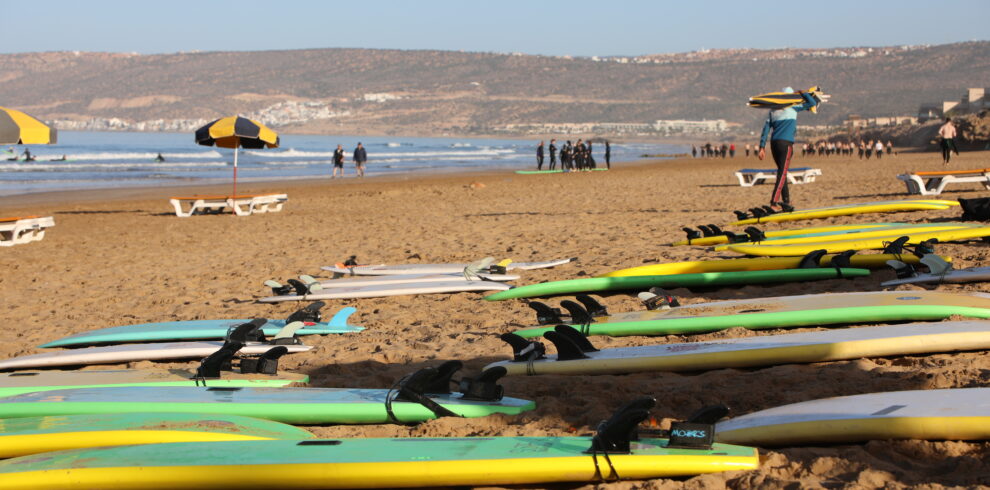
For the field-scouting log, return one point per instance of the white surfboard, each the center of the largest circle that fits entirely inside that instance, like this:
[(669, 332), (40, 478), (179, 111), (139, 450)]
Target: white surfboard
[(945, 414), (359, 281), (939, 271), (400, 269), (377, 291), (768, 350), (113, 354)]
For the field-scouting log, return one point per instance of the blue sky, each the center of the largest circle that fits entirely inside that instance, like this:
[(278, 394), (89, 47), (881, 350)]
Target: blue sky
[(576, 27)]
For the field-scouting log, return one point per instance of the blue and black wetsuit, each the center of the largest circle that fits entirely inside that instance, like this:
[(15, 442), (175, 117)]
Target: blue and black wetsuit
[(781, 125)]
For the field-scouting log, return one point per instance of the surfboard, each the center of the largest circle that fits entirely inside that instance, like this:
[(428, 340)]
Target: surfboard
[(852, 209), (939, 271), (20, 382), (768, 350), (871, 261), (940, 414), (399, 269), (196, 329), (112, 354), (367, 463), (32, 435), (306, 406), (816, 238), (537, 172), (674, 280), (720, 239), (877, 242), (382, 290), (787, 311), (361, 281)]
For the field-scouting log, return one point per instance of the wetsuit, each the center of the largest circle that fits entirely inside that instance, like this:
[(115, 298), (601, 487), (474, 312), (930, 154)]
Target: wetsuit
[(553, 156), (338, 158), (608, 155), (781, 126), (539, 157)]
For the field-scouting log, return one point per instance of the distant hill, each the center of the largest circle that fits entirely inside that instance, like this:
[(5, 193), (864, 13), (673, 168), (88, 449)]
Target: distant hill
[(456, 92)]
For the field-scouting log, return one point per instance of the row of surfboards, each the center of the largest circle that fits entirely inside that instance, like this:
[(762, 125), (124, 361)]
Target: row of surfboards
[(118, 409)]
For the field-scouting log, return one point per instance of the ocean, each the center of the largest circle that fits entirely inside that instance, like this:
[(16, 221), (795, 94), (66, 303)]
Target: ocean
[(98, 160)]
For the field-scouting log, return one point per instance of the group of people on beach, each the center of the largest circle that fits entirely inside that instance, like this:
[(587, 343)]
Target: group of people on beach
[(359, 156), (865, 149), (716, 151), (578, 156), (13, 156)]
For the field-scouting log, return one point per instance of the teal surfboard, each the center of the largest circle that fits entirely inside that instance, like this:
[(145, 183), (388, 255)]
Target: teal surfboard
[(34, 381), (787, 311), (674, 281), (365, 463), (311, 406), (32, 435), (196, 329)]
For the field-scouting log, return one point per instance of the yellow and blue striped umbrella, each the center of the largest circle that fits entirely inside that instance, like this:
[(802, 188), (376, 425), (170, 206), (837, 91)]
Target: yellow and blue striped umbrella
[(19, 128)]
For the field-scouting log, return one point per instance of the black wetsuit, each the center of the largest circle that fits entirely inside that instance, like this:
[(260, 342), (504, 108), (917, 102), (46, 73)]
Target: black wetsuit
[(539, 157), (553, 156), (608, 155)]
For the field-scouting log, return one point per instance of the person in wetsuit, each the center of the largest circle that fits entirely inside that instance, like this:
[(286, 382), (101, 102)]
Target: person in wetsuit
[(338, 162), (608, 155), (781, 126), (539, 156), (553, 154), (159, 158)]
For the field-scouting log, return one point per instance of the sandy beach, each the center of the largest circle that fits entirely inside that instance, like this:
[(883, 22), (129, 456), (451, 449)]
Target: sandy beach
[(121, 256)]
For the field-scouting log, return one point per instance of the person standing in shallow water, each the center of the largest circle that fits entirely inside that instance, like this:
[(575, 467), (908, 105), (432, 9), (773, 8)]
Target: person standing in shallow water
[(338, 162), (553, 154), (608, 155), (360, 157), (539, 156)]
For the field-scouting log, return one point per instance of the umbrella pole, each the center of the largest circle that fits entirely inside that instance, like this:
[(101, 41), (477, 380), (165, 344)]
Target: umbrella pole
[(234, 197)]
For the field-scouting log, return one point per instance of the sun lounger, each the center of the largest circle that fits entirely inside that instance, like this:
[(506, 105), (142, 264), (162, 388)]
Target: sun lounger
[(749, 177), (25, 229), (241, 205), (933, 183)]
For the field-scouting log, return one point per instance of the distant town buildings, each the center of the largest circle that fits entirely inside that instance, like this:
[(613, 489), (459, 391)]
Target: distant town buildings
[(974, 100), (382, 97), (665, 127), (855, 121)]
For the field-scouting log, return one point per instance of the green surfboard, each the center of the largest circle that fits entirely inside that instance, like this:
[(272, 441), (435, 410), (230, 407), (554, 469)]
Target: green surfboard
[(290, 405), (787, 311), (673, 281), (31, 435), (558, 171)]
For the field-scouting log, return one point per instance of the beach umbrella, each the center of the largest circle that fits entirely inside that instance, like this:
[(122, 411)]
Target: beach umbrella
[(237, 132), (18, 128)]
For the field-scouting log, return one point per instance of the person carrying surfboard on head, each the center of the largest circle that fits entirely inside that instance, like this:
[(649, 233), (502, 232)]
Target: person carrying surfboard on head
[(780, 126)]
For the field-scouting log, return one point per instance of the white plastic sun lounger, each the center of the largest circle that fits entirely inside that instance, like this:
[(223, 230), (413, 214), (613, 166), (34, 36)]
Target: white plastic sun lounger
[(14, 231), (241, 205), (749, 177), (933, 183)]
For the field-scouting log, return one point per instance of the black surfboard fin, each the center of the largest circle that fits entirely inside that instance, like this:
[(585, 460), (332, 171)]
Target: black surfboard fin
[(741, 215), (812, 260), (524, 350), (351, 261), (309, 314), (300, 288), (755, 234), (411, 388), (926, 247), (576, 337), (843, 260), (267, 363), (896, 247), (902, 270), (698, 431), (545, 315), (785, 208), (613, 436), (248, 332), (757, 212), (579, 316), (715, 229), (483, 387), (769, 210), (211, 365), (705, 230), (691, 233), (734, 238), (440, 384), (709, 414), (567, 350), (591, 305), (279, 289)]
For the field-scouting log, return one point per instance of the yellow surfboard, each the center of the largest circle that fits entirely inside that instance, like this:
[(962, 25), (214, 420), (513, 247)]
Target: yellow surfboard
[(906, 230), (851, 209), (861, 244), (871, 261)]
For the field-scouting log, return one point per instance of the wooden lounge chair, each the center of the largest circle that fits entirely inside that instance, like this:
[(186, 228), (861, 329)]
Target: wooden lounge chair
[(933, 183), (242, 204), (749, 177), (14, 231)]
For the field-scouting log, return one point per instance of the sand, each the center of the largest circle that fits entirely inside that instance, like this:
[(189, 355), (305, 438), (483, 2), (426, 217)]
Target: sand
[(121, 257)]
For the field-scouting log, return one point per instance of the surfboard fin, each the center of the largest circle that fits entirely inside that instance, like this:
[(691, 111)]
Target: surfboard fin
[(844, 259), (613, 436), (278, 288), (691, 233), (896, 247), (575, 337), (578, 314), (524, 350), (591, 305), (440, 384), (483, 387), (936, 265), (267, 363), (247, 332), (287, 334), (310, 313), (741, 215), (211, 365), (705, 230), (411, 389), (755, 234), (902, 270), (545, 315), (698, 431), (812, 260)]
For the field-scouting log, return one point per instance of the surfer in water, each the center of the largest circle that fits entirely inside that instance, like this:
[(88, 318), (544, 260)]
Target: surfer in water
[(159, 158), (780, 126), (28, 157)]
